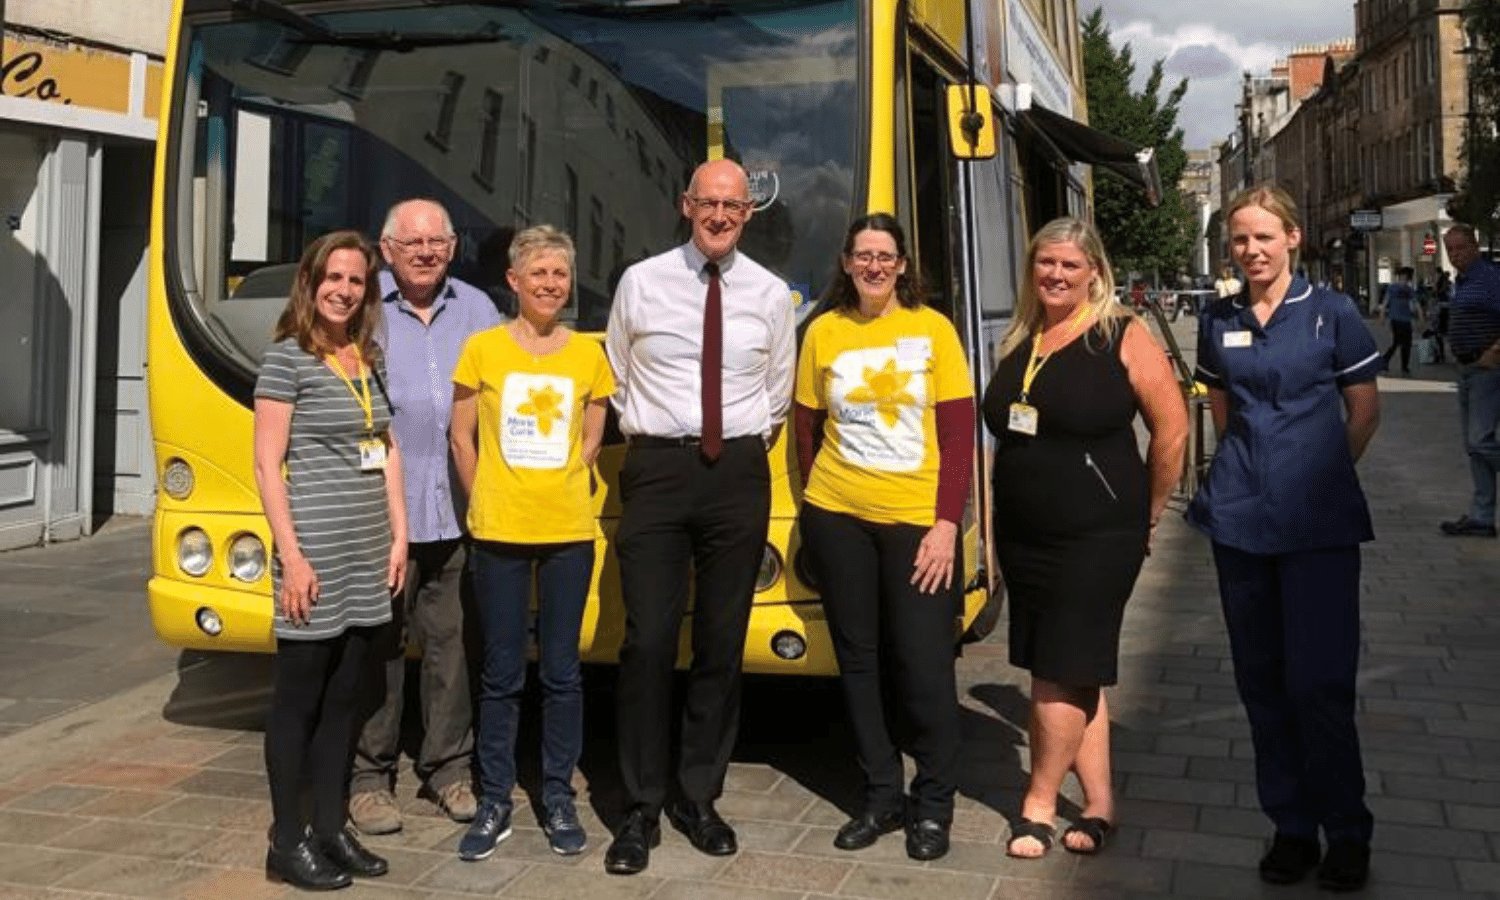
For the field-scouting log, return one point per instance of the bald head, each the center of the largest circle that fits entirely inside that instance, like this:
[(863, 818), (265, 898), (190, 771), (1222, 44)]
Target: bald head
[(718, 204), (417, 243)]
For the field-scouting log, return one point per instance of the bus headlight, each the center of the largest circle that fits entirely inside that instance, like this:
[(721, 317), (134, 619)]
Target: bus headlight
[(788, 645), (247, 558), (194, 553), (770, 570), (177, 479), (208, 621)]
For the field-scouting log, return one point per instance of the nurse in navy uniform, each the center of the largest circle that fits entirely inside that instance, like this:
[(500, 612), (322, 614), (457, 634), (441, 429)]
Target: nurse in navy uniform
[(1290, 371)]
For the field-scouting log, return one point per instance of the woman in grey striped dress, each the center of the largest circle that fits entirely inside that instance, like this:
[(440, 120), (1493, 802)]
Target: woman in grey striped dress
[(329, 475)]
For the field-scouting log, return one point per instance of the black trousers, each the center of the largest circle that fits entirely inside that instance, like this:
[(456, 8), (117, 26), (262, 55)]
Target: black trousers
[(893, 643), (1400, 340), (1293, 623), (310, 730), (682, 513)]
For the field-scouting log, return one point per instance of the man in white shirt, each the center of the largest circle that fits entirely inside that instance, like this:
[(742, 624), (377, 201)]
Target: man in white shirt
[(697, 496)]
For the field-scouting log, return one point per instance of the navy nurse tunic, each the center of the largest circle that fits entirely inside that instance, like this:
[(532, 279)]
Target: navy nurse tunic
[(1283, 479)]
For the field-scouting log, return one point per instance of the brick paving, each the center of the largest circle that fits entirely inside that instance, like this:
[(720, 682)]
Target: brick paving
[(130, 770)]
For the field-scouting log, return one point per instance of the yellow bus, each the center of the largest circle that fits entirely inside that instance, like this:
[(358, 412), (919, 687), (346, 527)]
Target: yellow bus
[(285, 119)]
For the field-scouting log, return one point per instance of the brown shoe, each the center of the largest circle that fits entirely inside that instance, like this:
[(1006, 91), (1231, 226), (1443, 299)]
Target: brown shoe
[(374, 812), (456, 800)]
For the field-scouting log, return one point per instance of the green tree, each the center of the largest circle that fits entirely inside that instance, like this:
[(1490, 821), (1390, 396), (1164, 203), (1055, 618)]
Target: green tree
[(1478, 199), (1138, 237)]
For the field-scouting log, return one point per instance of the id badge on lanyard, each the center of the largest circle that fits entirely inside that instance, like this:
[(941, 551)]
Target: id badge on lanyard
[(371, 455)]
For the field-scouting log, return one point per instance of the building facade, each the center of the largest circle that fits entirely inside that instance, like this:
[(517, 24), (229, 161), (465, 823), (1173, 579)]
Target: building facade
[(79, 88)]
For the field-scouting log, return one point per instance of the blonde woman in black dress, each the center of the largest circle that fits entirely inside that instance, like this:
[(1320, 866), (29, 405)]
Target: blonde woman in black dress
[(1075, 506)]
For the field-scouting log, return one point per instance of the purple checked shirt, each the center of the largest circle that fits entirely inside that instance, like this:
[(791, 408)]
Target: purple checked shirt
[(419, 361)]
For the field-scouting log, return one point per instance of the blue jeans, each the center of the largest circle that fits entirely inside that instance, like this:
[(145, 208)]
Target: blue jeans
[(502, 582), (1479, 410)]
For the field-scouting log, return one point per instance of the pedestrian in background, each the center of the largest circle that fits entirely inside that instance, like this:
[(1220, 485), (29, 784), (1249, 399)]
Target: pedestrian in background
[(1075, 509), (701, 342), (427, 317), (1474, 334), (885, 442), (1400, 310), (1290, 371), (338, 526), (528, 417)]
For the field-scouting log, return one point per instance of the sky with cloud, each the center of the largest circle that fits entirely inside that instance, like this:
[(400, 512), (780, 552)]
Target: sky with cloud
[(1211, 44)]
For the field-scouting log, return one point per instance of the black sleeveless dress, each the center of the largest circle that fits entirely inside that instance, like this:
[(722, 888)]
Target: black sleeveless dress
[(1072, 509)]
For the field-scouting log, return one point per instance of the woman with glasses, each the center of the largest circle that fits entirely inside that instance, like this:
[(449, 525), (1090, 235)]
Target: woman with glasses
[(884, 419), (1075, 507)]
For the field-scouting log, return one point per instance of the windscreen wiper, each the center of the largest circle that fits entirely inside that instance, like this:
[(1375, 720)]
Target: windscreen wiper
[(311, 31)]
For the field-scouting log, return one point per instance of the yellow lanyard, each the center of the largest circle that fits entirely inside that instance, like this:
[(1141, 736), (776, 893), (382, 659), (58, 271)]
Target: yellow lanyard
[(361, 396), (1035, 363)]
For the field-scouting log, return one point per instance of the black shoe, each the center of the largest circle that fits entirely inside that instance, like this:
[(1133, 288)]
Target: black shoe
[(348, 854), (1346, 866), (630, 851), (1464, 526), (927, 839), (703, 827), (303, 866), (1289, 859), (862, 831)]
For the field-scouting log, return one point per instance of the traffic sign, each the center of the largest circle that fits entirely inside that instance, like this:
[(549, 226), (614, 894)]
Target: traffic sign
[(1429, 245), (1365, 220)]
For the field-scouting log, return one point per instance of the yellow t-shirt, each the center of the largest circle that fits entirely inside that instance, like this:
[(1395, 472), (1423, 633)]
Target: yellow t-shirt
[(879, 380), (531, 486)]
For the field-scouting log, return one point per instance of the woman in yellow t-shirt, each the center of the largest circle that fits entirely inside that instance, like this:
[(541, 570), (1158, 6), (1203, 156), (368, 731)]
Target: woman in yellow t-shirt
[(884, 420), (528, 416)]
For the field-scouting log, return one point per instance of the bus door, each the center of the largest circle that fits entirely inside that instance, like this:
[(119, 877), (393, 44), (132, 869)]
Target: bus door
[(936, 194)]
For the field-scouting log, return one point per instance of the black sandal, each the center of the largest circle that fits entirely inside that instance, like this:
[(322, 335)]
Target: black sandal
[(1091, 827), (1026, 828)]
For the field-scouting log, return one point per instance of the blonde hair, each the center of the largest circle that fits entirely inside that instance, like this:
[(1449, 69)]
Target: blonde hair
[(1274, 200), (1028, 317), (539, 239), (299, 319)]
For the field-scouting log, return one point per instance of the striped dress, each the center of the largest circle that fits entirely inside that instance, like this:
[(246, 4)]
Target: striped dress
[(339, 512)]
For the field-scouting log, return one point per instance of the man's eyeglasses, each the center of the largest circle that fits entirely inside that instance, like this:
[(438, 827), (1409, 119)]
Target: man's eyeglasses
[(417, 245), (865, 257), (709, 204)]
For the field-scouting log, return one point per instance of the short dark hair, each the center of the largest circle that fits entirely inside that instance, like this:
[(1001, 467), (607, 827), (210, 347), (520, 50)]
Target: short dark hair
[(909, 290)]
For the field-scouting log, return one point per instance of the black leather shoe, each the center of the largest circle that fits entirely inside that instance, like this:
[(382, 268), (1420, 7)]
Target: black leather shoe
[(303, 866), (927, 839), (350, 855), (630, 851), (1346, 866), (703, 827), (863, 830), (1289, 859)]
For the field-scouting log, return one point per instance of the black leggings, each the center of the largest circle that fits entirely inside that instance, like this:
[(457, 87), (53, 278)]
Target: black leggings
[(310, 730)]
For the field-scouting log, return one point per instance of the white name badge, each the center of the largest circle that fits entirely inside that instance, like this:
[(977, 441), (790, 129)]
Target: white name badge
[(1237, 338), (1023, 419), (913, 350), (371, 455)]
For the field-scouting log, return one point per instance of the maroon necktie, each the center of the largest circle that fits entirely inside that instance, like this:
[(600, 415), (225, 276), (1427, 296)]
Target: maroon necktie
[(712, 393)]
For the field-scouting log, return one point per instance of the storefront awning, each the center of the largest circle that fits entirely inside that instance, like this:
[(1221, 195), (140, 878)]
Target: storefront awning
[(1078, 142)]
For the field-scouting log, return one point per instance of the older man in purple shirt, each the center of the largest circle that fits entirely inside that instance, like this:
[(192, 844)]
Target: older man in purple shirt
[(427, 318)]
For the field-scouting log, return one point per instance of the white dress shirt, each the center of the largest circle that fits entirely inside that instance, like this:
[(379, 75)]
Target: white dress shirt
[(655, 345)]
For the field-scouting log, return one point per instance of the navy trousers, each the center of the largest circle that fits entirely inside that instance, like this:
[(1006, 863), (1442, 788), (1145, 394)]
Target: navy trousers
[(1293, 622)]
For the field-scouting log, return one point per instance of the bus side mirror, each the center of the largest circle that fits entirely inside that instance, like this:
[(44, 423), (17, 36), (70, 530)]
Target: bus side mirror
[(971, 121)]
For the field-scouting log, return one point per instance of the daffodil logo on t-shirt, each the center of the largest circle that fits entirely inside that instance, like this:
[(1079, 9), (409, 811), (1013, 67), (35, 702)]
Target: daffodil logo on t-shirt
[(876, 406), (534, 420), (885, 389), (542, 405)]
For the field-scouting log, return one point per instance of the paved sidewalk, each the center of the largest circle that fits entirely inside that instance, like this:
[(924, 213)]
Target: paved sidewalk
[(144, 778)]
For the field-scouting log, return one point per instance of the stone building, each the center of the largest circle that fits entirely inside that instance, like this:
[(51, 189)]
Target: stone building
[(79, 88)]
